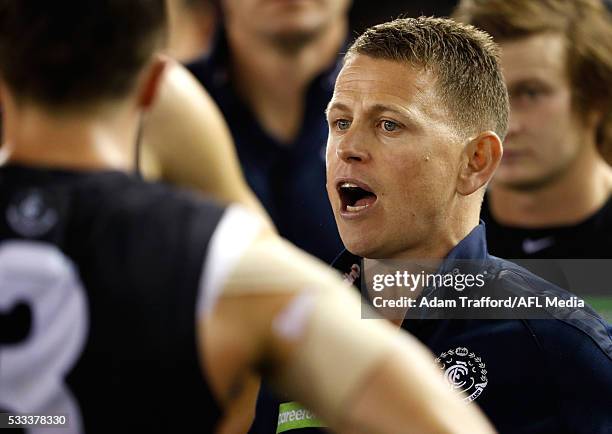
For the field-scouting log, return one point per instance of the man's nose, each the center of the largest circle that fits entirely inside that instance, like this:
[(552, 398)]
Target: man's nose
[(515, 123), (352, 148)]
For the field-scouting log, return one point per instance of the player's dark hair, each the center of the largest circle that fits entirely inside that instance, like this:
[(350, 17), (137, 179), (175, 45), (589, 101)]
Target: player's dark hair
[(63, 53), (464, 60)]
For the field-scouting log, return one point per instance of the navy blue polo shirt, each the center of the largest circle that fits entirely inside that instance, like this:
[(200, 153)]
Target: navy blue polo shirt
[(288, 178), (528, 375)]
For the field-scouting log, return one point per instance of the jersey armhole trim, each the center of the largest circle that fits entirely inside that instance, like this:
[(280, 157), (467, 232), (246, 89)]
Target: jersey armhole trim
[(235, 232)]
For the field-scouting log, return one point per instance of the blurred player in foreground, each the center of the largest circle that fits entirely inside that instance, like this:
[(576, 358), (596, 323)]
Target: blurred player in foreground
[(191, 27), (132, 307), (186, 142)]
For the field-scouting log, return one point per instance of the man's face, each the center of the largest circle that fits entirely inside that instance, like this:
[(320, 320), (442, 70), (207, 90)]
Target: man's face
[(284, 18), (392, 158), (545, 134)]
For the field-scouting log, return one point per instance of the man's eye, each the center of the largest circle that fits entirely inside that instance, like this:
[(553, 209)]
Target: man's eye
[(389, 126), (528, 93), (531, 93), (342, 124)]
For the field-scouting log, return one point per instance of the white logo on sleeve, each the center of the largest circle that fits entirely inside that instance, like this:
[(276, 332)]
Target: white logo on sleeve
[(464, 371), (535, 245)]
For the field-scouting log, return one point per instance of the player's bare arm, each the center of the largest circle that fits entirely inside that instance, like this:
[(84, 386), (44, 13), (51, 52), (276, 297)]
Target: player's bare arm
[(290, 318), (186, 142)]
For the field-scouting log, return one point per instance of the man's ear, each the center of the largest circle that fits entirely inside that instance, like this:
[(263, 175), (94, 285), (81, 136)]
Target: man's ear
[(152, 81), (480, 159)]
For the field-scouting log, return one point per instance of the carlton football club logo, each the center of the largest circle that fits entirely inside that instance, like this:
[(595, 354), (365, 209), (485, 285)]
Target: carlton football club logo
[(30, 214), (464, 371)]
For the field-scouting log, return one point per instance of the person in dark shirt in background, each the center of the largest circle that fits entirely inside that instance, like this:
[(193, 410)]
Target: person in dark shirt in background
[(272, 72), (550, 197)]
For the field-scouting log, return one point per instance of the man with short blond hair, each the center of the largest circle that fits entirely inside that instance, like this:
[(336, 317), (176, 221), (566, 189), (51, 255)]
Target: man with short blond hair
[(457, 123), (416, 122), (415, 128)]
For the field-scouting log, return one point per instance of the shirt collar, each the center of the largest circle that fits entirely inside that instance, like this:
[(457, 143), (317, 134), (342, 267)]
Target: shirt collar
[(473, 246)]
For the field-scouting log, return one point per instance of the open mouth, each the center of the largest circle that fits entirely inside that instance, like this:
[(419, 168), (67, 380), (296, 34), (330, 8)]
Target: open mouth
[(355, 198)]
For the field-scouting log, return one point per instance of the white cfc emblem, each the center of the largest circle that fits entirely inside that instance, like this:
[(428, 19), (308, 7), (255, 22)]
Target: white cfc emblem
[(464, 372), (30, 214)]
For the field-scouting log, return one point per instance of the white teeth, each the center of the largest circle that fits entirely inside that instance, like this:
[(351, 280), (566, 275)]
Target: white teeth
[(356, 208), (348, 185)]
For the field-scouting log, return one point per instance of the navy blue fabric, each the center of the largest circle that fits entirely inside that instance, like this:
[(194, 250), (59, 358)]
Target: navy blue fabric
[(542, 376), (288, 178), (138, 249), (588, 239)]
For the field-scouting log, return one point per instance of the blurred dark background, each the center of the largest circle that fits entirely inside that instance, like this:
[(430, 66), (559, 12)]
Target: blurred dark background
[(366, 13)]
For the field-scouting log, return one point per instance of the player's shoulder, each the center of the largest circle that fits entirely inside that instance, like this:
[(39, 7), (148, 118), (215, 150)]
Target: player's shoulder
[(585, 337), (576, 325), (129, 197), (98, 195), (118, 212)]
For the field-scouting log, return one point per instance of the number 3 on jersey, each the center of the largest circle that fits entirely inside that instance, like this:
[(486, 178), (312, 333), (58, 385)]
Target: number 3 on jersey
[(32, 371)]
